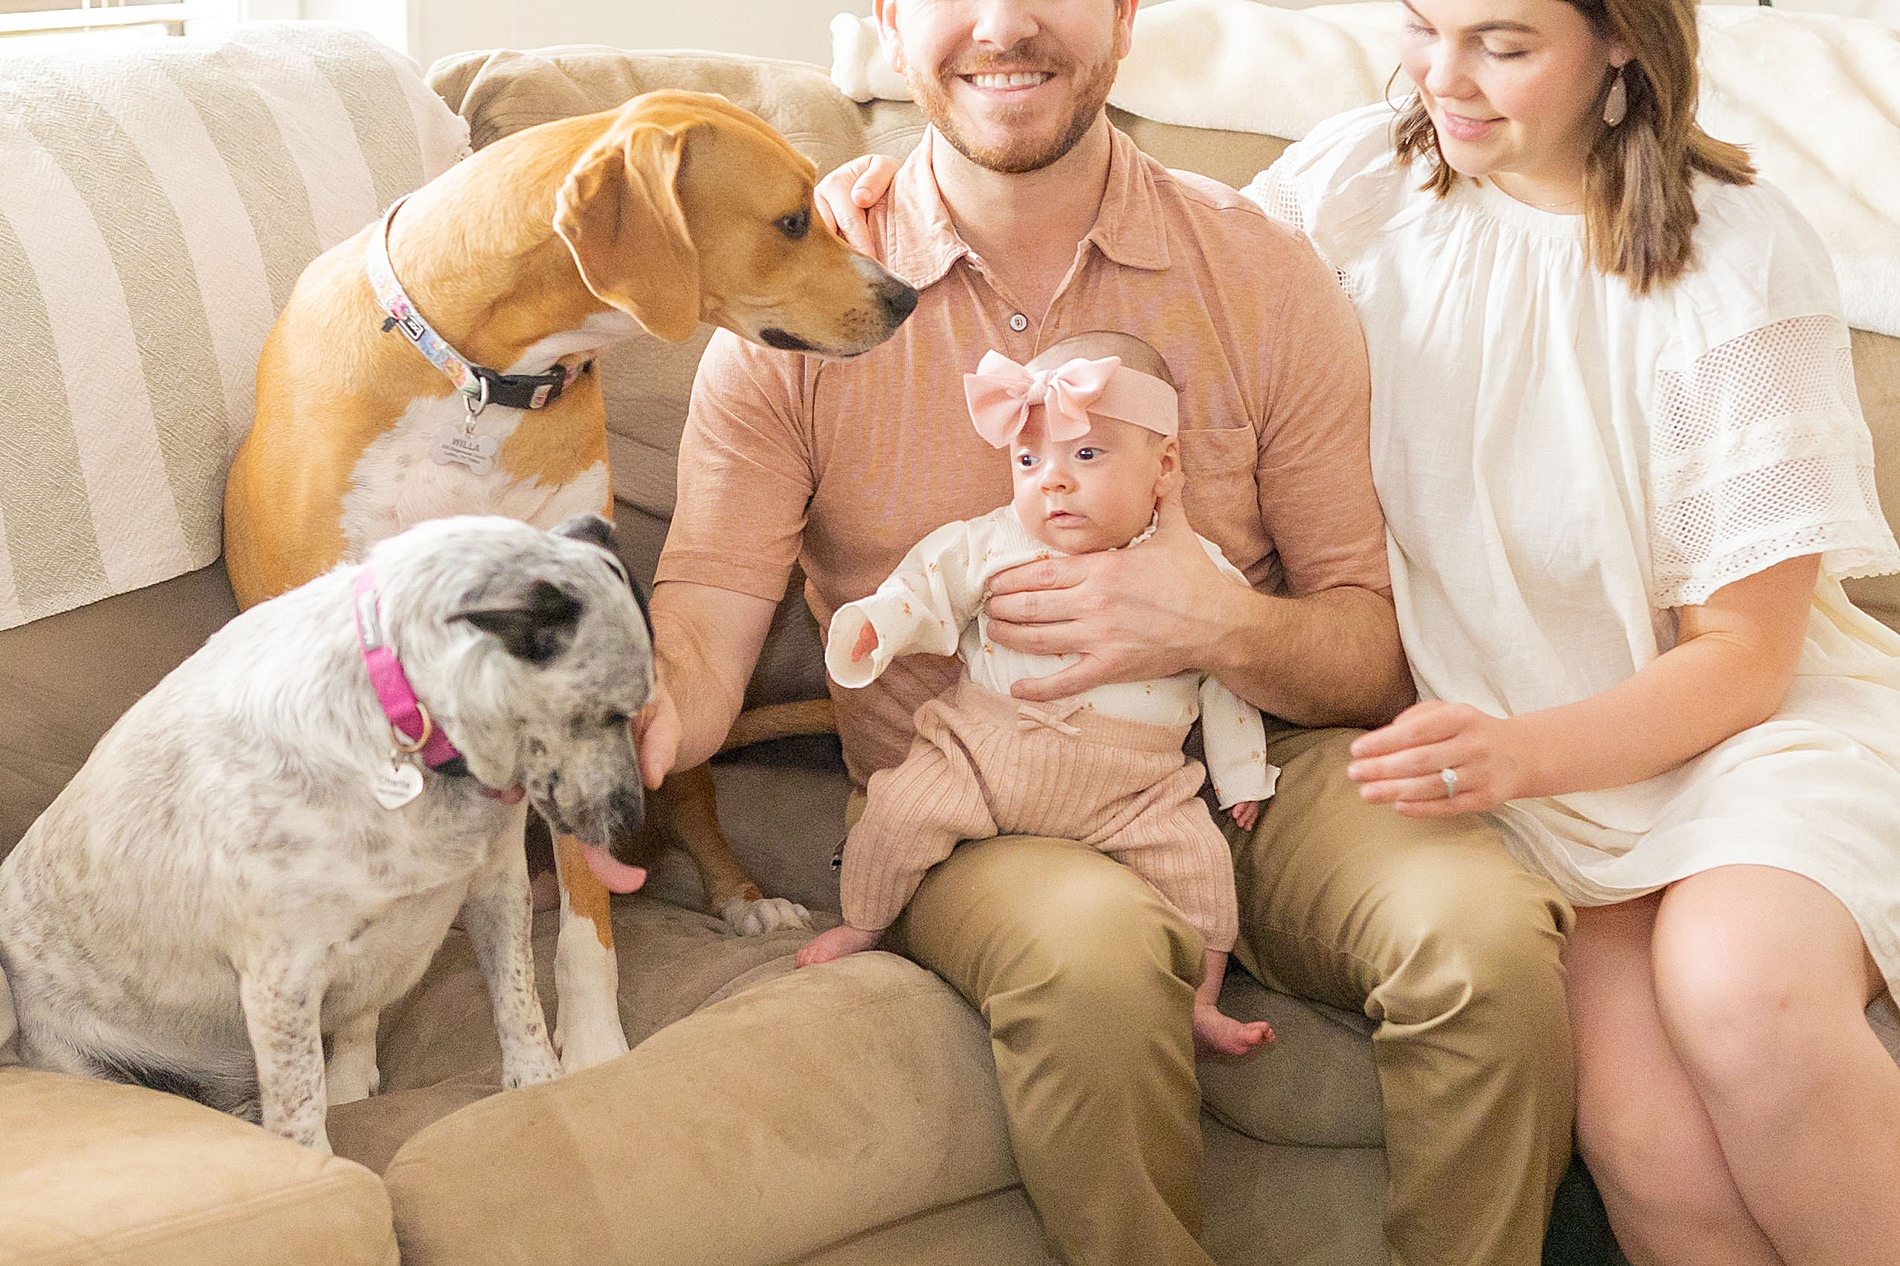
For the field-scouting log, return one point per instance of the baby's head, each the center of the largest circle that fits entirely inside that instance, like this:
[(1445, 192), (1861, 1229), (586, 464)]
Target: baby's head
[(1089, 484)]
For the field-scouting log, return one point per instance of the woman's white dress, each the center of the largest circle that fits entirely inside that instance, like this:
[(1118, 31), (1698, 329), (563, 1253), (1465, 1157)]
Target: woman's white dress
[(1563, 463)]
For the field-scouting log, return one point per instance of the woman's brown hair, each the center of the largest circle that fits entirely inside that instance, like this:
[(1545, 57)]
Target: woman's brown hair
[(1638, 209)]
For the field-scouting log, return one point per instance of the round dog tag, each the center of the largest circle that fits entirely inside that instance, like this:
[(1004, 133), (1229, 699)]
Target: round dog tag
[(397, 784), (454, 444)]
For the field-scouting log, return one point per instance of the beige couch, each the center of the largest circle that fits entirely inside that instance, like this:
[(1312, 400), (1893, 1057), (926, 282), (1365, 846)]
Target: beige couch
[(846, 1116)]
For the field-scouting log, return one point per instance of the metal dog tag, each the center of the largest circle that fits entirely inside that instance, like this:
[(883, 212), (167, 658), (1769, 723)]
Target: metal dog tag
[(455, 445), (396, 785)]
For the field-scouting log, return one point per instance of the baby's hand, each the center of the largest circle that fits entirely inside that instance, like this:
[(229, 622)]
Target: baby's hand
[(1246, 813), (867, 642)]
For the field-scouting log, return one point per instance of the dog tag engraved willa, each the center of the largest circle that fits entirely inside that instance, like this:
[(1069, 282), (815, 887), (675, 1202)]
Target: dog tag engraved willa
[(458, 446), (396, 784)]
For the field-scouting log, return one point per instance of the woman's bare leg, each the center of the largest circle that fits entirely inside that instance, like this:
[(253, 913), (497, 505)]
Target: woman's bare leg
[(1640, 1122), (1762, 980)]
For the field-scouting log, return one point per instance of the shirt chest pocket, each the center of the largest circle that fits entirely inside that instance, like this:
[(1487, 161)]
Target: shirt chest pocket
[(1221, 492)]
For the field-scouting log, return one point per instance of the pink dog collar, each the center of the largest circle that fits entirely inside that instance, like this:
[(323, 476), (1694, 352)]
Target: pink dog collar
[(407, 714), (480, 386)]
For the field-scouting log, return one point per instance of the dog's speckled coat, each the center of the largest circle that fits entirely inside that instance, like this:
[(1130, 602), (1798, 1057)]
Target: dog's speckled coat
[(217, 890)]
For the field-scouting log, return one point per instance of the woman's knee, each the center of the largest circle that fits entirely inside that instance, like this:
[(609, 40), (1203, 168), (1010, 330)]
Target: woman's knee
[(1753, 1020)]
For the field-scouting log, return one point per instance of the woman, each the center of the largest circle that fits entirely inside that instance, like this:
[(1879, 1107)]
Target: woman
[(1617, 441)]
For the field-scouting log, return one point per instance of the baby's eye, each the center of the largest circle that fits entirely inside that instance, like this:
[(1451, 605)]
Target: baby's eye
[(1025, 460), (1087, 454)]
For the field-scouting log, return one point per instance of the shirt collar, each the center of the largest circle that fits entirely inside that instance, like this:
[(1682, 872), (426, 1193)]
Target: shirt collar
[(922, 243)]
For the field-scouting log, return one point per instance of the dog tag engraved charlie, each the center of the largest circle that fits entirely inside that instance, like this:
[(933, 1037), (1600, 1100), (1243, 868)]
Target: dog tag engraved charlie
[(397, 784), (457, 445)]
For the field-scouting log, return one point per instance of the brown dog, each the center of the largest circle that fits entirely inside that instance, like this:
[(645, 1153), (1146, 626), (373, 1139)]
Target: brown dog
[(509, 272)]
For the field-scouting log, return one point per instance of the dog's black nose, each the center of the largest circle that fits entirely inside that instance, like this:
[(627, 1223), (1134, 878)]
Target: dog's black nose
[(629, 813), (897, 299)]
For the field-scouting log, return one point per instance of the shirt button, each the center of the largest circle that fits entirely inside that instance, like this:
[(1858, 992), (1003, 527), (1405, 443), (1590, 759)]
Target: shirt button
[(1018, 322)]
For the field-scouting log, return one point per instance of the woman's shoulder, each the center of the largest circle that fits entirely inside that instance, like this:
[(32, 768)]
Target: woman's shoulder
[(1339, 179), (1757, 262)]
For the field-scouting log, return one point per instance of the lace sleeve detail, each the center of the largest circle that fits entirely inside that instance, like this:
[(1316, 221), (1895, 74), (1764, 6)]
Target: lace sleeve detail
[(1278, 197), (1759, 454)]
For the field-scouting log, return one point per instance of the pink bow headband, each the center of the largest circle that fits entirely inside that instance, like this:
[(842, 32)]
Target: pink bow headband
[(1001, 393)]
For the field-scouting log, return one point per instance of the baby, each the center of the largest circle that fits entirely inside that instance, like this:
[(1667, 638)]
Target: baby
[(1090, 426)]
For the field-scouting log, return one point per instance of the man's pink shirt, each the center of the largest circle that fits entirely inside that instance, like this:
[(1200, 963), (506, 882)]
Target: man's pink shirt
[(842, 466)]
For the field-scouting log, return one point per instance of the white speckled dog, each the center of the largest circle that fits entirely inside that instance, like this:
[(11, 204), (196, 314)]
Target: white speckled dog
[(247, 866)]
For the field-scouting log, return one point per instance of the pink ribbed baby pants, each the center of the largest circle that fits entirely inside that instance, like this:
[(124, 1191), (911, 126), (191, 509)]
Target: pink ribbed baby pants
[(985, 764)]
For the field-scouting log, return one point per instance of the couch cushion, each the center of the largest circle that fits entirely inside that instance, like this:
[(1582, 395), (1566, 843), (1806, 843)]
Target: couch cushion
[(791, 1115), (160, 200), (95, 1172), (1877, 375), (65, 679), (1314, 1086)]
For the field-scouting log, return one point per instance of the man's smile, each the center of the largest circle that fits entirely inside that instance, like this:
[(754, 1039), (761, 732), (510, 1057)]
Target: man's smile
[(995, 80)]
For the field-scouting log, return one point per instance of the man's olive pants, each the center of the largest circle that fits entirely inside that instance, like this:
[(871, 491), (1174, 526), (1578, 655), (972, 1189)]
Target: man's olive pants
[(1086, 977)]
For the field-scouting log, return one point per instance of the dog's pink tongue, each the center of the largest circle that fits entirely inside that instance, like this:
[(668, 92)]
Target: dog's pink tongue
[(616, 875)]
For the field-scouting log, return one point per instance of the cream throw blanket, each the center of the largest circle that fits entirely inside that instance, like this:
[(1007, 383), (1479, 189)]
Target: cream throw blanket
[(1815, 98), (159, 199)]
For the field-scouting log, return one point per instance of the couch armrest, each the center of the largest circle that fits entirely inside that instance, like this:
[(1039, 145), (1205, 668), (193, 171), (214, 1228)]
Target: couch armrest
[(799, 1111), (95, 1172)]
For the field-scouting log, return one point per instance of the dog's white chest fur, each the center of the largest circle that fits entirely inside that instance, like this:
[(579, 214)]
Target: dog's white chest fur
[(398, 482)]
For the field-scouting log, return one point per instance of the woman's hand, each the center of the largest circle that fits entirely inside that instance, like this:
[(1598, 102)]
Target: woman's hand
[(849, 191), (1402, 764)]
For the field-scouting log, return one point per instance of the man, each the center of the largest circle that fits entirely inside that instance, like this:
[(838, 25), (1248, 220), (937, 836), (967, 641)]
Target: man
[(1023, 218)]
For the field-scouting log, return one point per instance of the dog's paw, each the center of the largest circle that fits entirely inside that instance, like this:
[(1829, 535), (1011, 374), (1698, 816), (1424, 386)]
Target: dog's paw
[(583, 1045), (530, 1069), (351, 1076), (757, 916)]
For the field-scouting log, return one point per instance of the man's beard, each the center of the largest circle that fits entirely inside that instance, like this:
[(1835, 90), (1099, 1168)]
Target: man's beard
[(1019, 153)]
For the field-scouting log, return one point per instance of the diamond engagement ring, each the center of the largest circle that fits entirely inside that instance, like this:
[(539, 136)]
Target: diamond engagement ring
[(1449, 777)]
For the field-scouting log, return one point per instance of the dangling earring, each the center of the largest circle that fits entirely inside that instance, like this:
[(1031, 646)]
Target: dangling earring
[(1617, 105)]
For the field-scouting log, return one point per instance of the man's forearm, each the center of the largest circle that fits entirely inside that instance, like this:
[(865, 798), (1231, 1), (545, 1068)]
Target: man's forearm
[(1331, 658), (705, 643)]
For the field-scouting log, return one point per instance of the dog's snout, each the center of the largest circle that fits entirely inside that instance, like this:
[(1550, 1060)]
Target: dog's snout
[(627, 808), (897, 299)]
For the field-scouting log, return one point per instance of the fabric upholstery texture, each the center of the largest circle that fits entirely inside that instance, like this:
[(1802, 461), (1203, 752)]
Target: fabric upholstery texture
[(158, 207), (92, 1172)]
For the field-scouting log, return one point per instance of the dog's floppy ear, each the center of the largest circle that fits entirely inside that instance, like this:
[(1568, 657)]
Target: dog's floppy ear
[(591, 528), (619, 213), (535, 626), (598, 531)]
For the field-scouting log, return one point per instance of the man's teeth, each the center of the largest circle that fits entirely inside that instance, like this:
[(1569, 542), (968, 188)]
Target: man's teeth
[(1019, 79)]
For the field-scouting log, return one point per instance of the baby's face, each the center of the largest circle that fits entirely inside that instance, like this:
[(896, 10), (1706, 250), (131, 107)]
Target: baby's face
[(1094, 493)]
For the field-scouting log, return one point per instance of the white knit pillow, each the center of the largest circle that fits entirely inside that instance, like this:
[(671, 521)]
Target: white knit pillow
[(160, 199)]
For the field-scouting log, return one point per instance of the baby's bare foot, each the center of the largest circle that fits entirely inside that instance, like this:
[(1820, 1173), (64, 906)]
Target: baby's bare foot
[(836, 943), (1217, 1034)]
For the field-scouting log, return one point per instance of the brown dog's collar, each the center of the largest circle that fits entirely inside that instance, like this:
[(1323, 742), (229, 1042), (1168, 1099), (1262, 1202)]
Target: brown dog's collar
[(481, 385)]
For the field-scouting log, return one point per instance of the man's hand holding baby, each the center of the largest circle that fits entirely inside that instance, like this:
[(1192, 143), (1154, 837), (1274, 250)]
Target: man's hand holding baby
[(1152, 610)]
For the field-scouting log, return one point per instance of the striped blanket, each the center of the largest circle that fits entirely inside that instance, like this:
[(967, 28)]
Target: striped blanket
[(159, 201)]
